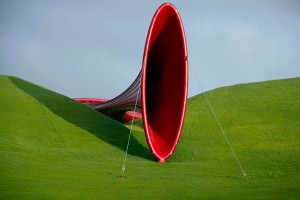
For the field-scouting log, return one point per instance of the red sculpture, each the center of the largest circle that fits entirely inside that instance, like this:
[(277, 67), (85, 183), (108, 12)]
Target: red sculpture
[(162, 85)]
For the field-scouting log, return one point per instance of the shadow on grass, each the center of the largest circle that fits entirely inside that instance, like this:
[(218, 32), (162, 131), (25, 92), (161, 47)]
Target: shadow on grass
[(81, 116)]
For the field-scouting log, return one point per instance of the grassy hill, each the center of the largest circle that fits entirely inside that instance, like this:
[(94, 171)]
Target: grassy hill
[(52, 147)]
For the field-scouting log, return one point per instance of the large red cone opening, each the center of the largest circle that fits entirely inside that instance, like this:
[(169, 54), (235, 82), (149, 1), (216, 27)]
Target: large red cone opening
[(164, 82), (163, 85)]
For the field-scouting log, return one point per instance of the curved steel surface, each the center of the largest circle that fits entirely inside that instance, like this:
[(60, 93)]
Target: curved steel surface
[(162, 85), (116, 107)]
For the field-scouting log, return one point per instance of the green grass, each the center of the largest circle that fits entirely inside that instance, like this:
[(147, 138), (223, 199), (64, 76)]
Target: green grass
[(52, 147)]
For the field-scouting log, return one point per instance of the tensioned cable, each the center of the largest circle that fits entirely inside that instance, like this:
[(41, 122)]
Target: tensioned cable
[(217, 119), (130, 133)]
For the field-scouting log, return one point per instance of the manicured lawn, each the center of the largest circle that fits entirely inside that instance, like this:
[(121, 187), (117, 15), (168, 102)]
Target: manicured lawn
[(52, 147)]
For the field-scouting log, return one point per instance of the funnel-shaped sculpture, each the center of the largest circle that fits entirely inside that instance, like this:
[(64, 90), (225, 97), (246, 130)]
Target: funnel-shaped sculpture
[(160, 89)]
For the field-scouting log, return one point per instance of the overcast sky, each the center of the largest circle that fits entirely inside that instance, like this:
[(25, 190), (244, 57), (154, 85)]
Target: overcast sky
[(94, 48)]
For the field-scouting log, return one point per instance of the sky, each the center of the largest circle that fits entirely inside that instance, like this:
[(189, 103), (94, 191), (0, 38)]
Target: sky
[(94, 48)]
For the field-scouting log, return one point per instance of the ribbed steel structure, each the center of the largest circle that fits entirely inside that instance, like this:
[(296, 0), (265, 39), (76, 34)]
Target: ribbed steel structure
[(116, 107)]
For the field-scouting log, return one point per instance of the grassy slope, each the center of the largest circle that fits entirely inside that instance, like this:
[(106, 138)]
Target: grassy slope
[(54, 148)]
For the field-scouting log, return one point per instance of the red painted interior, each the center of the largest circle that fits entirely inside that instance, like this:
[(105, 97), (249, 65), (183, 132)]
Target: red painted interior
[(164, 82)]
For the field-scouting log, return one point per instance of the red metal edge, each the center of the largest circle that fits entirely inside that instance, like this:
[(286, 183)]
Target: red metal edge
[(131, 115), (90, 100), (149, 135)]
